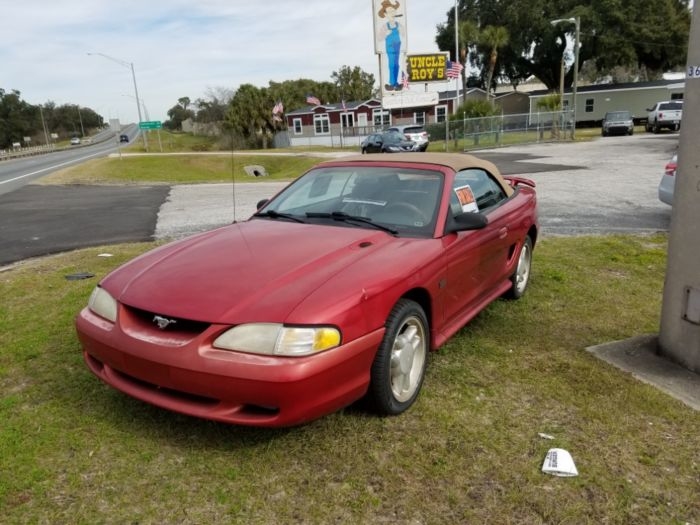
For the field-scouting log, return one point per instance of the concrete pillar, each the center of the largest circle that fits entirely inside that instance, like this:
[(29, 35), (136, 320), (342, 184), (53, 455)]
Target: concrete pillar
[(679, 337)]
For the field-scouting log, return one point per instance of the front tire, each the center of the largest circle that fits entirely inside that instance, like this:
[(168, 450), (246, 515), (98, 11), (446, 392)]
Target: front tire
[(521, 275), (399, 366)]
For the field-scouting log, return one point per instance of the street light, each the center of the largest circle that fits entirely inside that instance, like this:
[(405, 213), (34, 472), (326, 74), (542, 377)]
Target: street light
[(129, 65), (577, 22), (143, 105)]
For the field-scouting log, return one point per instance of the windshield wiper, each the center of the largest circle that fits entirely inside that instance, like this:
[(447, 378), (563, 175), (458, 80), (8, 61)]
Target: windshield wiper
[(342, 216), (272, 214)]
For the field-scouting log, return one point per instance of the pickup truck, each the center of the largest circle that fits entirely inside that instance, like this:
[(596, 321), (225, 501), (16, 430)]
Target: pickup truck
[(666, 114)]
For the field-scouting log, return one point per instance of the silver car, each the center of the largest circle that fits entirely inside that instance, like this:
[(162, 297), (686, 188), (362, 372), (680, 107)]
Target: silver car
[(415, 133), (668, 181), (617, 122)]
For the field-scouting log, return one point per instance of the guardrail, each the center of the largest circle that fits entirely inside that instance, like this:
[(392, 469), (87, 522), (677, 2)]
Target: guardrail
[(14, 153), (26, 152)]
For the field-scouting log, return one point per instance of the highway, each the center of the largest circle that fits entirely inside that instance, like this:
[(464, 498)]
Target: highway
[(15, 173)]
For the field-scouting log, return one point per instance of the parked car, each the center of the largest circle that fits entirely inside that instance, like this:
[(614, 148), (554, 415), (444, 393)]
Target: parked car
[(666, 114), (414, 132), (617, 122), (668, 181), (387, 142), (75, 141), (334, 290), (123, 138)]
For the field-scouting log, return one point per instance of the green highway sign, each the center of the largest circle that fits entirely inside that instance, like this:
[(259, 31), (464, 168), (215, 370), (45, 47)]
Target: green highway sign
[(150, 124)]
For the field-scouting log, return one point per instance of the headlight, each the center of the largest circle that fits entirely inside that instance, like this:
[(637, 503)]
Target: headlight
[(277, 339), (103, 304)]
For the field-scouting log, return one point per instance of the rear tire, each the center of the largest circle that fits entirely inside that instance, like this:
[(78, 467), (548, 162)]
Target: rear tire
[(521, 275), (398, 369)]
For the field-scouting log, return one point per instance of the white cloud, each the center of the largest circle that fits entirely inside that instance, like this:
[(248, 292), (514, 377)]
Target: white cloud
[(183, 48)]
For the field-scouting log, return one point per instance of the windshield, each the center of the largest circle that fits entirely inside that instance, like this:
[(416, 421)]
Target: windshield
[(403, 200), (618, 115)]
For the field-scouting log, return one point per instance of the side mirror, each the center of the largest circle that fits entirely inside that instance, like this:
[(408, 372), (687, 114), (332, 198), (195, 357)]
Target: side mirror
[(261, 203), (467, 221)]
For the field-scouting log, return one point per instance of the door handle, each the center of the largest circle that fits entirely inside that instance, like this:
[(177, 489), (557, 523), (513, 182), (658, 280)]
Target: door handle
[(502, 233)]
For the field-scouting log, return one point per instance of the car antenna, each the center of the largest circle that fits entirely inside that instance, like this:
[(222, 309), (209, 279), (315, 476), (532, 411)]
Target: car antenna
[(233, 179)]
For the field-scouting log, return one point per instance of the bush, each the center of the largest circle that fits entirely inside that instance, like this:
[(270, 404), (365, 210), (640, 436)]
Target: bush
[(475, 109)]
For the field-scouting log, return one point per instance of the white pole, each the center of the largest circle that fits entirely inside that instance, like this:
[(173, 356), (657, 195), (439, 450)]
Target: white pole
[(456, 54)]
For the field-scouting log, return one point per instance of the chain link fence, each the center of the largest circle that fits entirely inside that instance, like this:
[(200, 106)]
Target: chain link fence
[(500, 130)]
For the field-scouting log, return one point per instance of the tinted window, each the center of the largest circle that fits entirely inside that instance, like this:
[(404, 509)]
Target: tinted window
[(671, 105)]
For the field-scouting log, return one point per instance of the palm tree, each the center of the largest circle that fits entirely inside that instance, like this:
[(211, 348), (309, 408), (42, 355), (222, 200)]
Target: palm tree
[(495, 37), (468, 36)]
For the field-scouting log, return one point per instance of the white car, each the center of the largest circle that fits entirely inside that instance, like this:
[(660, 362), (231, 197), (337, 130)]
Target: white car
[(668, 181), (666, 114), (75, 141)]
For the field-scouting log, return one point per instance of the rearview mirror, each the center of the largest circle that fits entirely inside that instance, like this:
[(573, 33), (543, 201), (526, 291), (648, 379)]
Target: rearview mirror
[(261, 203)]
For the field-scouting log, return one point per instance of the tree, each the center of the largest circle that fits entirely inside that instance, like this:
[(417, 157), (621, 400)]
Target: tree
[(212, 108), (353, 83), (178, 114), (494, 37), (651, 36), (16, 118), (250, 115)]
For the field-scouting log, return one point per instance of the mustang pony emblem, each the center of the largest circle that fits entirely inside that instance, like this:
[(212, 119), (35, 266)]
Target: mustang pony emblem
[(163, 322)]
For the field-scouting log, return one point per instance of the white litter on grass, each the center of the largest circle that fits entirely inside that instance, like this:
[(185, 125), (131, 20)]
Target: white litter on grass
[(558, 462), (105, 255), (545, 436)]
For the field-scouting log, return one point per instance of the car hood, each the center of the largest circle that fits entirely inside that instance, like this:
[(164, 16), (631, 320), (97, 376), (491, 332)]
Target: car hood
[(259, 270)]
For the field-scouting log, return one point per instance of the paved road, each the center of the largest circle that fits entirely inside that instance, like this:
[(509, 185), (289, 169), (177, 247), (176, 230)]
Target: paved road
[(604, 186)]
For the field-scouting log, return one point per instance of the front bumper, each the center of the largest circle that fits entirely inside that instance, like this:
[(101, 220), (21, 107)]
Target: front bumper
[(619, 129), (189, 376)]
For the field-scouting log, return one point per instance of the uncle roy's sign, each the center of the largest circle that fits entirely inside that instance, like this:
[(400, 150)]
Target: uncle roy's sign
[(427, 68)]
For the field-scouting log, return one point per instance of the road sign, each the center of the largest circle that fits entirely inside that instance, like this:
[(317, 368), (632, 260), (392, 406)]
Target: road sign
[(150, 124)]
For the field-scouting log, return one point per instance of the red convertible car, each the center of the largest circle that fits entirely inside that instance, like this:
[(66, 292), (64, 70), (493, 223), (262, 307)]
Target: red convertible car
[(335, 290)]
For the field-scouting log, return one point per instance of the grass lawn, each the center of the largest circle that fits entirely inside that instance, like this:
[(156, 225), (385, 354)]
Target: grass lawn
[(181, 169), (75, 451)]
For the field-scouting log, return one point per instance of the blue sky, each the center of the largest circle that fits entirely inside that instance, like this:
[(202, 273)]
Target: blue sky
[(186, 48)]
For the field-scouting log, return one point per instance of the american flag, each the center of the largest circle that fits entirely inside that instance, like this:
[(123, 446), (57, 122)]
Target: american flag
[(404, 80), (453, 69), (278, 108), (310, 99)]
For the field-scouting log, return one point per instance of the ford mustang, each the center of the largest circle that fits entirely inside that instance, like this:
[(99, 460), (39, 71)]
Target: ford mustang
[(335, 290)]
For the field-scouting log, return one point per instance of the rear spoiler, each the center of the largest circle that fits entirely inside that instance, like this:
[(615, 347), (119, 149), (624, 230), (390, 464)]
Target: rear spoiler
[(517, 181)]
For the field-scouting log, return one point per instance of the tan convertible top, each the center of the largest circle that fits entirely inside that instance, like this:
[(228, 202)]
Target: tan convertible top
[(456, 161)]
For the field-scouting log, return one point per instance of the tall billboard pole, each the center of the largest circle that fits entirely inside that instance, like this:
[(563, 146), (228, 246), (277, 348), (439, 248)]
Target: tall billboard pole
[(679, 337)]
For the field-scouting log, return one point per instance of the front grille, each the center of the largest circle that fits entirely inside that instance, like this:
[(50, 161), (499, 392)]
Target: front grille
[(175, 324)]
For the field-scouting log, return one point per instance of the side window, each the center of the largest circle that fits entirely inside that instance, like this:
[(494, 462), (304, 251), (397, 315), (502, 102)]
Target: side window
[(475, 190)]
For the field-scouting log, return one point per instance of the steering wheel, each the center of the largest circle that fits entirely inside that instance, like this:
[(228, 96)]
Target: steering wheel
[(405, 209)]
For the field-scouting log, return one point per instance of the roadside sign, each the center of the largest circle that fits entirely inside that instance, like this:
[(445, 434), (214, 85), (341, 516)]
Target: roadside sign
[(150, 124)]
